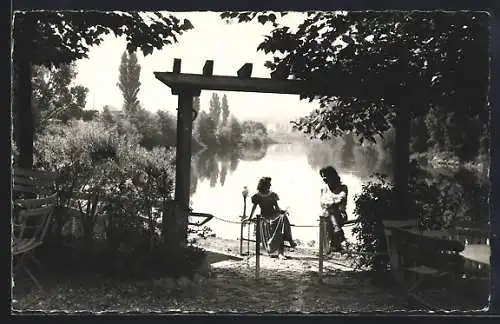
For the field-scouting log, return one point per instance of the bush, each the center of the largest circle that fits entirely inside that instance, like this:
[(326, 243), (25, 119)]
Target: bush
[(126, 186), (376, 199), (127, 180), (437, 201)]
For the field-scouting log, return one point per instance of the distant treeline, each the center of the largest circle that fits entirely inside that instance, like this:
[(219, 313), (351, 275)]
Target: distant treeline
[(218, 128)]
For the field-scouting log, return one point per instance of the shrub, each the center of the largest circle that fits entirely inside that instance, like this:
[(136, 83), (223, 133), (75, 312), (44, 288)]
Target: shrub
[(126, 186), (82, 154), (435, 201), (93, 158), (374, 203)]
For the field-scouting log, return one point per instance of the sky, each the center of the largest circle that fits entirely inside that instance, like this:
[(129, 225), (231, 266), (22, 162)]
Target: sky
[(228, 45)]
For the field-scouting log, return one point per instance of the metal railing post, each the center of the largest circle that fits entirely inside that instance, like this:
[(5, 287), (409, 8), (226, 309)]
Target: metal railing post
[(248, 237), (244, 193), (321, 238), (241, 237), (257, 249)]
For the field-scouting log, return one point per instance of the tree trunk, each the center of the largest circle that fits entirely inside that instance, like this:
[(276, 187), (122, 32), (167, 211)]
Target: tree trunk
[(24, 123), (402, 160)]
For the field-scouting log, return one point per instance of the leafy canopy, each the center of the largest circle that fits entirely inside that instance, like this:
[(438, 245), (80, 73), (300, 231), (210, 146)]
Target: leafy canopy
[(63, 37), (380, 62)]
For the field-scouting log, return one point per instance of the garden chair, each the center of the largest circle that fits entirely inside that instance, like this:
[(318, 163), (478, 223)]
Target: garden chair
[(31, 183), (31, 216)]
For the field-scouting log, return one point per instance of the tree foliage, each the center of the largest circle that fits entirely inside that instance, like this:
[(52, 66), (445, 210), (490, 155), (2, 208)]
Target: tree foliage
[(52, 38), (246, 16), (55, 96), (380, 62), (63, 37), (205, 130), (129, 84), (152, 130), (215, 109), (225, 110)]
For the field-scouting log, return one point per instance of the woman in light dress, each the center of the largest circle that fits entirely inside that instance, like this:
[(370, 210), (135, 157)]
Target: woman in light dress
[(333, 199)]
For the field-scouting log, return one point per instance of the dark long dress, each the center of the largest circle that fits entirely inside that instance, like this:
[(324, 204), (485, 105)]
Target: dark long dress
[(275, 229)]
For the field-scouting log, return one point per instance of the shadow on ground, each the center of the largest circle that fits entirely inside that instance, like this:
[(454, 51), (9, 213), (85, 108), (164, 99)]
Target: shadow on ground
[(284, 286)]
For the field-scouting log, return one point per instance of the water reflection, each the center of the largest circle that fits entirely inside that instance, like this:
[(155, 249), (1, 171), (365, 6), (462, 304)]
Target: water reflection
[(348, 156), (215, 166), (347, 152), (219, 176)]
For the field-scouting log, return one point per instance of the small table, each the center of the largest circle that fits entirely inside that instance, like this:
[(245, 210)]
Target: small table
[(443, 234), (406, 223), (479, 253), (477, 256)]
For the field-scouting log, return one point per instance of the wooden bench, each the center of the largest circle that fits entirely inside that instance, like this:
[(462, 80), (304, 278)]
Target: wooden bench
[(424, 255), (32, 183), (32, 214)]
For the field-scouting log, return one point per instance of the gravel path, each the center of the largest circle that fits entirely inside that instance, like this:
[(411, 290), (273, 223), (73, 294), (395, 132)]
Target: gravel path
[(285, 286)]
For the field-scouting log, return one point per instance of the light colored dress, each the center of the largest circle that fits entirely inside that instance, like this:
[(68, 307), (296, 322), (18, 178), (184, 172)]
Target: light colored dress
[(333, 206)]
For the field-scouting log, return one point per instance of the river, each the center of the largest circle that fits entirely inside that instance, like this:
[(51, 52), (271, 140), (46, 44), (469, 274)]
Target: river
[(218, 180)]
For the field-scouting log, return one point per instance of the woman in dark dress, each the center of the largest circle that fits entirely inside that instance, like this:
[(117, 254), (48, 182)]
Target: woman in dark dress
[(333, 201), (275, 229)]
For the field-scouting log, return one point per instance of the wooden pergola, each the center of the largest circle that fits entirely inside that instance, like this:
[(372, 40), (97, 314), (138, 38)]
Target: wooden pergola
[(187, 86)]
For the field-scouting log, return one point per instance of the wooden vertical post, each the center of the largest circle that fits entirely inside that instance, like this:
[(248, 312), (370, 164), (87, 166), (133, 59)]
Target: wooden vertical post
[(257, 249), (321, 238), (177, 229)]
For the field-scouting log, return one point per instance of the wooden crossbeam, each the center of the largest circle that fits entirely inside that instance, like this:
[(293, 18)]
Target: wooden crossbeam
[(245, 71), (179, 81), (208, 68)]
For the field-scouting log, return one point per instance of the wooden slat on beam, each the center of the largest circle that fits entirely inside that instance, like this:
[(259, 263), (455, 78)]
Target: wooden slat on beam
[(208, 68), (177, 66), (227, 83), (245, 71)]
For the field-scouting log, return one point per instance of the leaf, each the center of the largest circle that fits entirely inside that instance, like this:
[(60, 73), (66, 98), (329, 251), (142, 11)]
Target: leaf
[(186, 25), (262, 19), (147, 49)]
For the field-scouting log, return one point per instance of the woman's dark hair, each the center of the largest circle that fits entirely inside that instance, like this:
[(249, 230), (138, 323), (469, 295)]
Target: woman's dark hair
[(264, 184), (330, 174)]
